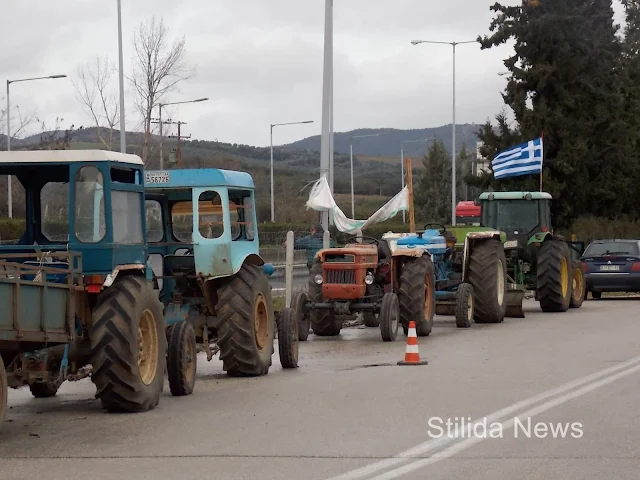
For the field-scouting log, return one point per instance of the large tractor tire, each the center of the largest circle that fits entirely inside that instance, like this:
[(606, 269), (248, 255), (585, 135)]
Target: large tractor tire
[(416, 294), (324, 323), (3, 392), (246, 323), (182, 361), (579, 288), (554, 276), (128, 346), (487, 276)]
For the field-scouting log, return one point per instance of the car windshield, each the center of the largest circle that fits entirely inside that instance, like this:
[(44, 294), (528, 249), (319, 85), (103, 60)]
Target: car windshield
[(612, 248)]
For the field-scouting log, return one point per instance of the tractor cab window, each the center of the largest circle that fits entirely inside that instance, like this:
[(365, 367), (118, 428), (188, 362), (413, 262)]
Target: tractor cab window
[(241, 209), (89, 208), (515, 215), (155, 232), (54, 211), (182, 221), (210, 215)]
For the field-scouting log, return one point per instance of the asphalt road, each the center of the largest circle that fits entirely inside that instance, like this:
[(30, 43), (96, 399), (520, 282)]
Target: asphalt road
[(349, 412)]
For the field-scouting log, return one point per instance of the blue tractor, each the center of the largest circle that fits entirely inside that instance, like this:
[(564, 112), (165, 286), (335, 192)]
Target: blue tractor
[(469, 283), (77, 293), (205, 253)]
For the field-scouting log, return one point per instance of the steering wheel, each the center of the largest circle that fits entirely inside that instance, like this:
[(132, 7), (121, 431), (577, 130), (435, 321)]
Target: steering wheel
[(441, 230), (188, 251), (371, 240)]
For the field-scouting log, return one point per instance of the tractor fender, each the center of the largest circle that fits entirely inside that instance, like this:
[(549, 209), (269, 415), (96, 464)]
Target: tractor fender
[(470, 241), (125, 268), (540, 237), (410, 252)]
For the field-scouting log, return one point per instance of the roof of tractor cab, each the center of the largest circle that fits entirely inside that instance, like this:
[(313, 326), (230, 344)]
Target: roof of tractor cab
[(197, 177), (515, 196), (67, 156)]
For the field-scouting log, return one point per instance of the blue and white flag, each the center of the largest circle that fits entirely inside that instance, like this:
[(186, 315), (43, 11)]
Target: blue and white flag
[(523, 159)]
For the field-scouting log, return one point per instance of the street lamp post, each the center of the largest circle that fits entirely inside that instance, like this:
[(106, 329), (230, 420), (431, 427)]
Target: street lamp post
[(273, 202), (402, 165), (123, 127), (453, 127), (160, 105), (353, 208), (9, 82)]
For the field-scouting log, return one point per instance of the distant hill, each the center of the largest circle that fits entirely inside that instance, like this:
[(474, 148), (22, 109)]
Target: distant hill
[(389, 145)]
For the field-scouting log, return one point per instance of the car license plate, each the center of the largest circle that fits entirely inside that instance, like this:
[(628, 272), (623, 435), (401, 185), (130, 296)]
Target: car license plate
[(511, 244), (609, 268)]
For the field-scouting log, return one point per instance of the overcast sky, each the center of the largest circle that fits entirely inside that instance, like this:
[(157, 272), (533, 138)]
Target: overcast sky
[(260, 62)]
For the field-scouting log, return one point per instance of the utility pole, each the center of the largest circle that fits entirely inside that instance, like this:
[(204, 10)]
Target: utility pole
[(179, 136)]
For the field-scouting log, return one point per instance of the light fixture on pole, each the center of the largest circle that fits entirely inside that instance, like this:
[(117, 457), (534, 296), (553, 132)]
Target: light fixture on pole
[(160, 105), (353, 208), (402, 165), (273, 202), (453, 126), (9, 82)]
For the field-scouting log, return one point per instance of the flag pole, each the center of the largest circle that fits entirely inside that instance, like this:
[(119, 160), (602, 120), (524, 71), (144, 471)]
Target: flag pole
[(408, 169), (542, 158)]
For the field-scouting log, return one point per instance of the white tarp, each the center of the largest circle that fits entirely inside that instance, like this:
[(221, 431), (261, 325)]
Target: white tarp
[(320, 199)]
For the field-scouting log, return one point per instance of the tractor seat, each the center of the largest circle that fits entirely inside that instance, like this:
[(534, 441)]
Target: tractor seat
[(179, 264), (384, 251)]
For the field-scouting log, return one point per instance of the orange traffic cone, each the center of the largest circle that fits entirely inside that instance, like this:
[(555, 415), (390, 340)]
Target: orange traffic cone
[(412, 356)]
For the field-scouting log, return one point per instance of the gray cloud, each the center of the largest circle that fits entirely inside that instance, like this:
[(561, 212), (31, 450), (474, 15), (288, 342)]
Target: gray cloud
[(260, 61)]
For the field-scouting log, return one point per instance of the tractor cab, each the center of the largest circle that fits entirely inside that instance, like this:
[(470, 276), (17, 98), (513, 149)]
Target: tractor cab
[(86, 205), (201, 225), (520, 215)]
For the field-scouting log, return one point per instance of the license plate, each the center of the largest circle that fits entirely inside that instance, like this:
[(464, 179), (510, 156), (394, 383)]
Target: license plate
[(609, 268), (511, 244)]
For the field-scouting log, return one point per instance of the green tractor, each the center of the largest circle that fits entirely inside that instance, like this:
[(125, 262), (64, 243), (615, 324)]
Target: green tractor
[(537, 258)]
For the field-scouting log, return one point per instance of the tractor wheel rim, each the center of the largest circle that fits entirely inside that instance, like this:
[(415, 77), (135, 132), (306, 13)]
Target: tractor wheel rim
[(260, 321), (469, 308), (500, 282), (564, 277), (190, 357), (428, 304), (394, 316), (147, 347), (577, 284)]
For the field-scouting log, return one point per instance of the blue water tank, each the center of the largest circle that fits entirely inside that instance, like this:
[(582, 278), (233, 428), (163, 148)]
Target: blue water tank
[(435, 243), (411, 241)]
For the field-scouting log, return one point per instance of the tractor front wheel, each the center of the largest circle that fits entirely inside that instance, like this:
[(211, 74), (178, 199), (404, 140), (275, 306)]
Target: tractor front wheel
[(3, 392), (246, 323), (323, 322), (579, 289), (288, 338), (464, 306), (416, 294), (487, 275), (554, 276), (128, 346), (183, 359), (299, 306), (389, 317)]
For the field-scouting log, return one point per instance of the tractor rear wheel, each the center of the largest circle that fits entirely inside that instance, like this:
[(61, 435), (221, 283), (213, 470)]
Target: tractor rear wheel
[(288, 338), (416, 294), (128, 346), (464, 305), (246, 323), (323, 322), (3, 392), (183, 359), (487, 276), (579, 288), (554, 276)]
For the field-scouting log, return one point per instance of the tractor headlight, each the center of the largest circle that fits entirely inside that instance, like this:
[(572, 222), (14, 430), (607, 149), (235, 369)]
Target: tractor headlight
[(368, 279), (318, 279)]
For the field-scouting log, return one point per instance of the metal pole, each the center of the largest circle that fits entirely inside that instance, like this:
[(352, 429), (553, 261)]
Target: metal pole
[(273, 207), (404, 219), (9, 193), (123, 127), (453, 145), (160, 122), (325, 144), (353, 207)]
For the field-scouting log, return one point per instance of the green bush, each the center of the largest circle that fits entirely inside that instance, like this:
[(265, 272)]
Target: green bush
[(588, 229)]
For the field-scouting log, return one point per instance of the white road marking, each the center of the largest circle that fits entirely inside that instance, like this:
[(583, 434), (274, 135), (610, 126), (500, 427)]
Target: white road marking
[(469, 442), (433, 444)]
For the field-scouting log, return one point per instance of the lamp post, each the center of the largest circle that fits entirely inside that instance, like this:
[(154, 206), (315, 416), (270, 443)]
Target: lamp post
[(402, 165), (453, 127), (353, 208), (9, 82), (160, 105), (273, 203), (123, 127)]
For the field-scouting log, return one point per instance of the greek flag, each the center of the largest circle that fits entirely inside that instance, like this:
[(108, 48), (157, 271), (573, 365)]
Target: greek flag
[(522, 159)]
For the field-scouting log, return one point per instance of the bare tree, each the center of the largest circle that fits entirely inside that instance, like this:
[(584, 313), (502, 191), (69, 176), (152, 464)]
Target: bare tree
[(54, 139), (94, 90), (19, 124), (159, 66)]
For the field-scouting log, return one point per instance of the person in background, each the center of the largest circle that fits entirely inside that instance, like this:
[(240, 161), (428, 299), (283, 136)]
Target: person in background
[(312, 243)]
